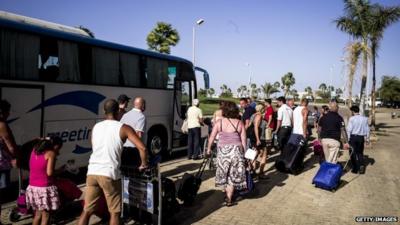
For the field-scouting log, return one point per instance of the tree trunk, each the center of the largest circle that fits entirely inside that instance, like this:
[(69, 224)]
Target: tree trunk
[(364, 79), (373, 93)]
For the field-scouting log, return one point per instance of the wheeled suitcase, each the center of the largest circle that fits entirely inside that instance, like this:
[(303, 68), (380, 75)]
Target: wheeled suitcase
[(190, 184), (328, 175), (318, 151), (292, 155)]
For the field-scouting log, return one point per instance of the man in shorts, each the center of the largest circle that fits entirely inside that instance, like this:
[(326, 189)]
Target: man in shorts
[(103, 174)]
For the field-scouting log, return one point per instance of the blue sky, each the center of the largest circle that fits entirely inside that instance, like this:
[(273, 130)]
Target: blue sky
[(273, 36)]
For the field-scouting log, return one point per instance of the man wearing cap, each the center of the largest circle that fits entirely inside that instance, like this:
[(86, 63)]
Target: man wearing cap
[(123, 101), (194, 120)]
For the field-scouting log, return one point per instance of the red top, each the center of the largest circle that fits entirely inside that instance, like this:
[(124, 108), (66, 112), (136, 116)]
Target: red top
[(270, 112), (38, 170)]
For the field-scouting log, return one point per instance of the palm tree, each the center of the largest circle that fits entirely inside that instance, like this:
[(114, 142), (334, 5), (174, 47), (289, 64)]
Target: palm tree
[(308, 90), (382, 17), (269, 89), (354, 50), (87, 30), (253, 90), (224, 88), (211, 92), (162, 37), (288, 81), (356, 22), (323, 87)]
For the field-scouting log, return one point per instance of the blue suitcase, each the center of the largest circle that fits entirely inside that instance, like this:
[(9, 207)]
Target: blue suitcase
[(328, 176)]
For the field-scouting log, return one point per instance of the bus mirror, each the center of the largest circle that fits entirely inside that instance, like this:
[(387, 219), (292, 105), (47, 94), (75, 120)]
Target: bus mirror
[(206, 77)]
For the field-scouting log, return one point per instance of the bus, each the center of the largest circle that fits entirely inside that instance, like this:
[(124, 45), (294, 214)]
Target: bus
[(57, 78)]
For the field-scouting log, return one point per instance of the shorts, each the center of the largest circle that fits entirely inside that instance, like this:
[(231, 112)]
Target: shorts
[(4, 179), (268, 134), (95, 187)]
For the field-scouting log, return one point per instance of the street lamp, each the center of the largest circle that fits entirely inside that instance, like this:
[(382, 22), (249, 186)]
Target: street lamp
[(198, 23), (248, 64)]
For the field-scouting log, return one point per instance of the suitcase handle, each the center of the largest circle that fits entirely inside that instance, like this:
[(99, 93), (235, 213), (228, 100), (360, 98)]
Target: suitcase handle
[(202, 167)]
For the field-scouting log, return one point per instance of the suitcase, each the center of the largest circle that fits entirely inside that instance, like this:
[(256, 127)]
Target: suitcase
[(318, 151), (250, 184), (292, 155), (328, 175), (190, 185)]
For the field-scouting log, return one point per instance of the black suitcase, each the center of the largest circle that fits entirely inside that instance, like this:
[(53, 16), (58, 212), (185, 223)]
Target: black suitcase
[(292, 155), (190, 185)]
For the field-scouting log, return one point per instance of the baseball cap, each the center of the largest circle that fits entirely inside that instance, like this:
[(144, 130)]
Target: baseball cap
[(123, 98)]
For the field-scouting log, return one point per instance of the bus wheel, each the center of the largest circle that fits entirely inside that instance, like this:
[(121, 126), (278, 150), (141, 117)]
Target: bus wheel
[(157, 145)]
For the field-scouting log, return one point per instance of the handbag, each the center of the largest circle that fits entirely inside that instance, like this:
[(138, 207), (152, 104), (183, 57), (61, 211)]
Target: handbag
[(184, 127), (250, 154)]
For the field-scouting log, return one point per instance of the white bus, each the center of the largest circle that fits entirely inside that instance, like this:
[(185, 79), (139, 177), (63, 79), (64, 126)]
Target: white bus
[(57, 80)]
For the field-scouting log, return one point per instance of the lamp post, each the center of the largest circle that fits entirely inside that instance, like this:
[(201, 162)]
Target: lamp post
[(198, 23), (249, 88)]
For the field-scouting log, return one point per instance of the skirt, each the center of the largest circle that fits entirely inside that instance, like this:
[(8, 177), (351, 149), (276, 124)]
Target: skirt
[(231, 168), (42, 198)]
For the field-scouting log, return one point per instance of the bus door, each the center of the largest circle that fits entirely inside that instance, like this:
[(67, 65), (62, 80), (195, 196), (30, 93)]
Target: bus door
[(182, 101), (26, 115)]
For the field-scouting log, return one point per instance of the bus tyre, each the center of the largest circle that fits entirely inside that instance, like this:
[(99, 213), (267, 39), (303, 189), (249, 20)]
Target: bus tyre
[(157, 143)]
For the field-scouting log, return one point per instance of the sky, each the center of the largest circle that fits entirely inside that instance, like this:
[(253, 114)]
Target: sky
[(263, 39)]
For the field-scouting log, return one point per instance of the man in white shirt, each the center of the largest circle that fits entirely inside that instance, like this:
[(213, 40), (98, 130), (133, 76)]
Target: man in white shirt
[(194, 120), (103, 176), (137, 120), (285, 121)]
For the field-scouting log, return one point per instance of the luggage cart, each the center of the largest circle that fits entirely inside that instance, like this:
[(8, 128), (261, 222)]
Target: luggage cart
[(142, 193)]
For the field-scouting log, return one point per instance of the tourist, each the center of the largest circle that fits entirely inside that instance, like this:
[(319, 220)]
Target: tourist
[(8, 150), (248, 111), (358, 132), (42, 194), (285, 120), (103, 174), (300, 119), (259, 143), (332, 132), (123, 102), (230, 173), (136, 119), (194, 120)]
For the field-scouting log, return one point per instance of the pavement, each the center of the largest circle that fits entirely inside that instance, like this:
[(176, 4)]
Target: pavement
[(293, 200)]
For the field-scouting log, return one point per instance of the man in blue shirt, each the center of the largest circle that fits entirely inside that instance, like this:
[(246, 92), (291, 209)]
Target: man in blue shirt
[(358, 131)]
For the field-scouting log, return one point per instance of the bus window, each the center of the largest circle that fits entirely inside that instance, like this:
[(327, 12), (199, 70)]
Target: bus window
[(48, 64), (130, 70), (157, 73), (18, 55), (172, 74), (85, 63), (185, 97), (68, 61), (105, 66)]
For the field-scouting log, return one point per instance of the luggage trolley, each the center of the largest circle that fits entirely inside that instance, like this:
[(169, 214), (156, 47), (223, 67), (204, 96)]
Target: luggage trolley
[(141, 193)]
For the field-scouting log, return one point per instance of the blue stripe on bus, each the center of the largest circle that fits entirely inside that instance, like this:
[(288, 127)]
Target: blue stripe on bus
[(81, 150), (84, 99)]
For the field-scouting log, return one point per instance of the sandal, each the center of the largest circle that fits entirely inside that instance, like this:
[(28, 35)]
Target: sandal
[(228, 203)]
